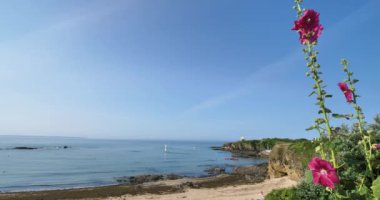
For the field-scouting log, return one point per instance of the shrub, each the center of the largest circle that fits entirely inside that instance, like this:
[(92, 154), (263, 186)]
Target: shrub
[(312, 192), (283, 194)]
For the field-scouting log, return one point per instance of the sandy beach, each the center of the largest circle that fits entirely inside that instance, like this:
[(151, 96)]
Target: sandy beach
[(239, 192), (221, 187)]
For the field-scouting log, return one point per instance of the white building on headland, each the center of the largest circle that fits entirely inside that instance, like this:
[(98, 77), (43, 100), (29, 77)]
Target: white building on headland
[(242, 138)]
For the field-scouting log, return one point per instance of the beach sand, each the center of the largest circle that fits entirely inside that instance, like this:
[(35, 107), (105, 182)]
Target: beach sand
[(238, 192), (220, 187)]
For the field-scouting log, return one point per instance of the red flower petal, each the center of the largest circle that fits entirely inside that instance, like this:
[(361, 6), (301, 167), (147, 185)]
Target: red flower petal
[(308, 27), (316, 177), (333, 177), (346, 91), (325, 181), (323, 172), (314, 164), (326, 165)]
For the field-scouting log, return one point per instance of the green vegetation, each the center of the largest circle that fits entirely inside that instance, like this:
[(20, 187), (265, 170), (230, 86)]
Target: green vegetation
[(303, 191), (282, 194), (260, 145), (303, 151), (347, 143)]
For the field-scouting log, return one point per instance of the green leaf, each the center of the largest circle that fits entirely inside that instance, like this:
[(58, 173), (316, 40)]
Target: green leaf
[(376, 188), (338, 115), (318, 149), (329, 96), (308, 176), (364, 190), (319, 120), (311, 128), (355, 80), (313, 92)]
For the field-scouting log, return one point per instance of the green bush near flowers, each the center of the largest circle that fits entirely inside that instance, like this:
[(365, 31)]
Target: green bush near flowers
[(302, 192), (347, 144)]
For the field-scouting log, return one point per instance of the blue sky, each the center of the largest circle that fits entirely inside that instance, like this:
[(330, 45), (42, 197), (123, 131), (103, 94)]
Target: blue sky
[(169, 69)]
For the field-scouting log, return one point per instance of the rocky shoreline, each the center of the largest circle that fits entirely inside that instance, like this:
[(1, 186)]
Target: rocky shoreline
[(285, 159), (149, 184)]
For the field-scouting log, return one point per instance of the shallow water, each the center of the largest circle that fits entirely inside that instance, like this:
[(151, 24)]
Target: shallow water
[(91, 162)]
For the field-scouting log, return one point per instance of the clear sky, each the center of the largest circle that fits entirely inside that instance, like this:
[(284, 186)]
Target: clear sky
[(176, 69)]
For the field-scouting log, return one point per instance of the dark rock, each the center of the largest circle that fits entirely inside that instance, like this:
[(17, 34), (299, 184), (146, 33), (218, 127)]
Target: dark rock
[(140, 179), (172, 177), (65, 147), (146, 178), (257, 169), (217, 148), (253, 173), (25, 148), (215, 171), (188, 185)]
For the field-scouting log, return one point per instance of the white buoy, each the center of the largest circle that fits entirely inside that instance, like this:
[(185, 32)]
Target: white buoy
[(166, 148)]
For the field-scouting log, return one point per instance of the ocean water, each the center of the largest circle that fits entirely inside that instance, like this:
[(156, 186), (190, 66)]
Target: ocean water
[(92, 162)]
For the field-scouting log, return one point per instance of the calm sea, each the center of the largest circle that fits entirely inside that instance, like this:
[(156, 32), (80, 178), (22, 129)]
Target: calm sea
[(91, 162)]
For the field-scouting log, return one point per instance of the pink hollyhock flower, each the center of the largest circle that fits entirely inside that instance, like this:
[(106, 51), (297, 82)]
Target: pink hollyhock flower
[(346, 91), (323, 172), (376, 146), (308, 27)]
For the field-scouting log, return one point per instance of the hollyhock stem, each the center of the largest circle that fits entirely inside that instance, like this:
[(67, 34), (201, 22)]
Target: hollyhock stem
[(321, 95), (360, 118), (298, 7), (323, 154)]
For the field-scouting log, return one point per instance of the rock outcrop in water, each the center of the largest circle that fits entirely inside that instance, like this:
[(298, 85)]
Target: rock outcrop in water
[(213, 171), (290, 159), (25, 148), (35, 148)]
